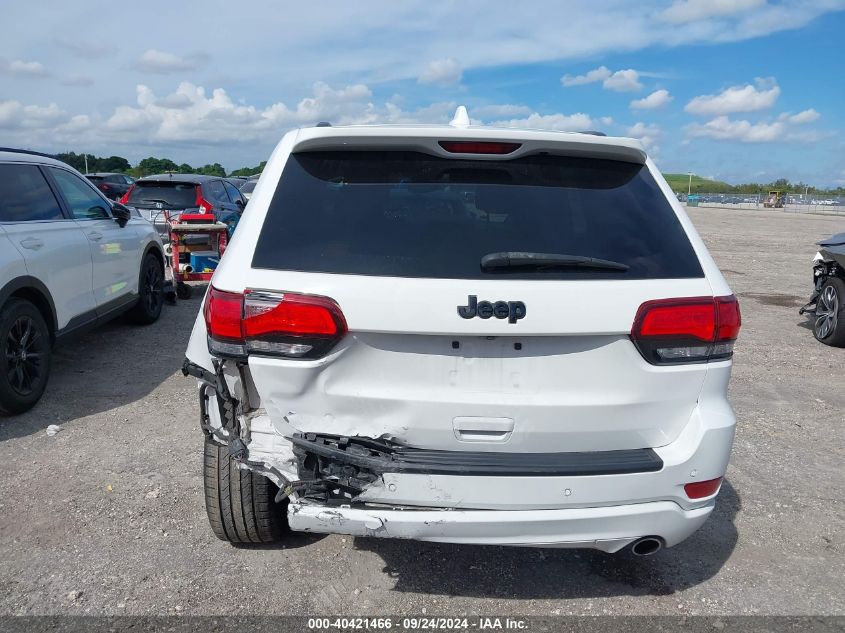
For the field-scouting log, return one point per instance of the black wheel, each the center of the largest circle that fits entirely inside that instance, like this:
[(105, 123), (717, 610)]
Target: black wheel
[(240, 503), (25, 360), (829, 323), (183, 290), (150, 292)]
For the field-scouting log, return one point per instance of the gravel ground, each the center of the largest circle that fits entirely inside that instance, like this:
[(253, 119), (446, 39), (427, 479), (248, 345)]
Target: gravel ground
[(106, 516)]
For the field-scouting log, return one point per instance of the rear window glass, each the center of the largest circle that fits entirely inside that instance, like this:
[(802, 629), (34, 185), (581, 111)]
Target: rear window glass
[(95, 178), (407, 214), (248, 186), (170, 195)]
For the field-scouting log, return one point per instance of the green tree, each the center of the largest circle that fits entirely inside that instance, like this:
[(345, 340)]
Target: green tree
[(95, 163), (154, 165), (114, 163), (215, 169), (249, 171)]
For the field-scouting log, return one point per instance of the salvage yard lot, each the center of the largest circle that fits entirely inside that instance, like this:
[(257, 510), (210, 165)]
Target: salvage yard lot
[(107, 517)]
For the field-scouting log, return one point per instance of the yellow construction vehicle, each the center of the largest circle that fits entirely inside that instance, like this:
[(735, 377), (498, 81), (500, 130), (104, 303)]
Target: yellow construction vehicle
[(775, 200)]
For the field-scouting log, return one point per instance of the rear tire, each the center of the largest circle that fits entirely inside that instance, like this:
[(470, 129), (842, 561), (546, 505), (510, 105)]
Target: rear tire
[(25, 356), (829, 321), (150, 292), (240, 503)]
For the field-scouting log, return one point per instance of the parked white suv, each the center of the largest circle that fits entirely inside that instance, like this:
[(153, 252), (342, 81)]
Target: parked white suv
[(469, 335), (69, 259)]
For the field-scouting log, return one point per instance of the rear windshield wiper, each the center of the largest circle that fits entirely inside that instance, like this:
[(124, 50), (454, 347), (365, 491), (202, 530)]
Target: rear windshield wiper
[(539, 261)]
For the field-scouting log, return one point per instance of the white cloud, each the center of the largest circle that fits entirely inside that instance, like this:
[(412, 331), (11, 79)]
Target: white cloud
[(599, 74), (14, 115), (620, 81), (746, 98), (656, 99), (623, 81), (442, 72), (725, 129), (577, 122), (683, 11), (807, 116), (648, 135), (190, 114), (155, 61), (24, 69)]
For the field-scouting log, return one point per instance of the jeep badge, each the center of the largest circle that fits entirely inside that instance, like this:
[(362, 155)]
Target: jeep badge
[(513, 311)]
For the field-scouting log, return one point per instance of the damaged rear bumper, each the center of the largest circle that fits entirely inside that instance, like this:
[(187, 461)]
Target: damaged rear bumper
[(608, 528)]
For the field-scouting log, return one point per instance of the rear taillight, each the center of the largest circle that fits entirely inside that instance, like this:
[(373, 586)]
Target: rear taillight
[(272, 324), (479, 147), (125, 197), (689, 330), (201, 202), (702, 489)]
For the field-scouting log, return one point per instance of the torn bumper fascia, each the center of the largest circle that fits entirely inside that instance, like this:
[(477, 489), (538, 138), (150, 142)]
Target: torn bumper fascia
[(605, 528), (330, 466), (230, 414)]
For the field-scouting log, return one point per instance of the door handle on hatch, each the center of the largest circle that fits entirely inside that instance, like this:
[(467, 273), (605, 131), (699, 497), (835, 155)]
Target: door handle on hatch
[(32, 243)]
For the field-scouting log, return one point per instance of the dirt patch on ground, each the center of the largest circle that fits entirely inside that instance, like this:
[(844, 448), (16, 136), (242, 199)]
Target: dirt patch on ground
[(775, 299)]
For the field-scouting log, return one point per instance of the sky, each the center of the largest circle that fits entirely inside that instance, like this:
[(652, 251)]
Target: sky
[(738, 90)]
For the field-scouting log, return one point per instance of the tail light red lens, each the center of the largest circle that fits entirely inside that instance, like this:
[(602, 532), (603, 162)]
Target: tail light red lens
[(272, 323), (479, 147), (688, 330), (202, 203), (223, 315), (125, 197), (702, 489)]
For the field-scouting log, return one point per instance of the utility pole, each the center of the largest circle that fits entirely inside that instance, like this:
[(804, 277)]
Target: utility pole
[(86, 163), (689, 186)]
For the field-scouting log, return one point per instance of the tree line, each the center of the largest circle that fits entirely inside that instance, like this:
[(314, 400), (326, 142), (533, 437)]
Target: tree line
[(149, 166)]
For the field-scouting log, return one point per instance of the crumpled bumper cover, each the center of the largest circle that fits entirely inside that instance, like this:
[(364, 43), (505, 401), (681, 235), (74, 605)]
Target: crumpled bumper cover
[(608, 528)]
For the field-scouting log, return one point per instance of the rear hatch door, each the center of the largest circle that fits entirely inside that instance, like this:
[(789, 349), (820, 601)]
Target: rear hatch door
[(447, 352)]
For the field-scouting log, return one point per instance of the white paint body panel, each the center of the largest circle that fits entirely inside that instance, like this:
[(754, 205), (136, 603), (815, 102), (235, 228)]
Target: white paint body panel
[(62, 262), (11, 261), (577, 383), (79, 272)]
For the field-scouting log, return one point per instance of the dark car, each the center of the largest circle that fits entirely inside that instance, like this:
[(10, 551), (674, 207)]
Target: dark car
[(178, 193), (113, 186)]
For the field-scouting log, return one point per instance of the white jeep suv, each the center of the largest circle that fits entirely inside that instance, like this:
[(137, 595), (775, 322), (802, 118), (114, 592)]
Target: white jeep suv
[(468, 335), (69, 259)]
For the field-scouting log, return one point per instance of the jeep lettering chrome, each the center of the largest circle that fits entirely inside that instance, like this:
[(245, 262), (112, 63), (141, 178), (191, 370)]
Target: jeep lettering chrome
[(513, 311)]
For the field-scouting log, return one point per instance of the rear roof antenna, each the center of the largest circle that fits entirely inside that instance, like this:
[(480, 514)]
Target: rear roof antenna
[(461, 118)]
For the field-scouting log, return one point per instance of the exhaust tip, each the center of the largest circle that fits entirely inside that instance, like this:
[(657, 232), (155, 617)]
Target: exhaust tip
[(647, 546)]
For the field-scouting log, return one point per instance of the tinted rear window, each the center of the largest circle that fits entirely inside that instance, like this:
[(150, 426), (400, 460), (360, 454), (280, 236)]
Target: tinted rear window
[(248, 186), (171, 195), (95, 178), (406, 214)]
